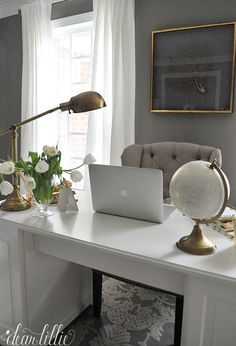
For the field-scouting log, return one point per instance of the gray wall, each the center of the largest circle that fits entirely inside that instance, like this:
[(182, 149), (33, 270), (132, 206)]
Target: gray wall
[(214, 129), (10, 77)]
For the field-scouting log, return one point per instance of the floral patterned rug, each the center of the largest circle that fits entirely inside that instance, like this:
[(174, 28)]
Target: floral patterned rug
[(131, 316)]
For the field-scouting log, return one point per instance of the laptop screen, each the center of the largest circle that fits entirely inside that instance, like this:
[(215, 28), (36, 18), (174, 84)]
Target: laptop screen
[(127, 191)]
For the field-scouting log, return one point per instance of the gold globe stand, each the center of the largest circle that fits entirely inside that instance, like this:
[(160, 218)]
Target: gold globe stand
[(196, 243)]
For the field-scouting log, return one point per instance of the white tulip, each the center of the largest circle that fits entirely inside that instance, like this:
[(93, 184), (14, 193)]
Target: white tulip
[(50, 151), (76, 176), (30, 183), (42, 167), (6, 188), (7, 167), (45, 149), (89, 159), (53, 151)]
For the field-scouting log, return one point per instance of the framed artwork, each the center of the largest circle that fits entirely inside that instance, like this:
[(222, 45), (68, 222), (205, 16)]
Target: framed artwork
[(193, 69)]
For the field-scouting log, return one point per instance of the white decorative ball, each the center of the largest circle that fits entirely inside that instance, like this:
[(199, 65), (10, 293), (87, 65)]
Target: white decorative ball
[(197, 190)]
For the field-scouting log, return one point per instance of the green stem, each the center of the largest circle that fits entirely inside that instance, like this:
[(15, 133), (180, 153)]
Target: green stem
[(72, 169)]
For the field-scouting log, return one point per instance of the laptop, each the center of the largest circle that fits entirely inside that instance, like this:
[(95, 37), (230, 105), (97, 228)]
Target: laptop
[(129, 191)]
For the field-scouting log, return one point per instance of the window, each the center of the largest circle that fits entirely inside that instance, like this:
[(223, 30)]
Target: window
[(73, 43)]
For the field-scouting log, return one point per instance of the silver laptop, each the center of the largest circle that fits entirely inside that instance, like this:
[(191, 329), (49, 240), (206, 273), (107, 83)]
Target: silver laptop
[(129, 191)]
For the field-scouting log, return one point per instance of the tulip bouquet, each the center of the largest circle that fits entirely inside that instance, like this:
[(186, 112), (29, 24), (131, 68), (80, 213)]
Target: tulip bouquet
[(38, 172), (6, 168)]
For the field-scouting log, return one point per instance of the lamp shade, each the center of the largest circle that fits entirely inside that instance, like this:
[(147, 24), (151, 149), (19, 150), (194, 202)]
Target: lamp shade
[(84, 102)]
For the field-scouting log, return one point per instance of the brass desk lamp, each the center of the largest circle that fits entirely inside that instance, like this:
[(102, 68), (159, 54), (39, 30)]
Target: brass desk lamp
[(83, 102)]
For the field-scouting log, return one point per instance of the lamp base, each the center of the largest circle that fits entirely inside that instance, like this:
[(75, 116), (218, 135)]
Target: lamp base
[(196, 243), (15, 202)]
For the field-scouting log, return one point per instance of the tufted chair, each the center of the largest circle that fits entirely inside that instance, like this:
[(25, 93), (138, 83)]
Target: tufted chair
[(167, 156)]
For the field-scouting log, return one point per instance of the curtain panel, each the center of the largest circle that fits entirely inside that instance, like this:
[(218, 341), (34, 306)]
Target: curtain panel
[(113, 76), (38, 77)]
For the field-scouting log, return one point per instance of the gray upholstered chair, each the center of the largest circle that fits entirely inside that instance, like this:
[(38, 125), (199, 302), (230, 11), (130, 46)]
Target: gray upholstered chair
[(167, 156)]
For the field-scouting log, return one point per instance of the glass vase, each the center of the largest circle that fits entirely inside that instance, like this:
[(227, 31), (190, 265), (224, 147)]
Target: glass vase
[(43, 195), (43, 210)]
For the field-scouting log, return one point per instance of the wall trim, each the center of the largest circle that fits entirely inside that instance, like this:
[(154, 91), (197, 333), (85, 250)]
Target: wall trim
[(71, 20)]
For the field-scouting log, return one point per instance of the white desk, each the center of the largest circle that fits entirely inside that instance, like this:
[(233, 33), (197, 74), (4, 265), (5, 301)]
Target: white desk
[(39, 280)]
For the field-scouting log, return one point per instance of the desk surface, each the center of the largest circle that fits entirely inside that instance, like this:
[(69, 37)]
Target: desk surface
[(145, 240)]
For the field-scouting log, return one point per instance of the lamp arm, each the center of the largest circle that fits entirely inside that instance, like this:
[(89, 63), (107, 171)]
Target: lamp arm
[(14, 127), (4, 131), (36, 117), (84, 102)]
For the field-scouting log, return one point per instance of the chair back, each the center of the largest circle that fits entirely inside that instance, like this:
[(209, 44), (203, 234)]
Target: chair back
[(168, 156)]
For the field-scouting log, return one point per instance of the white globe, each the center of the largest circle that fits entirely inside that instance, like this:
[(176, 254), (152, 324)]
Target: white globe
[(197, 190)]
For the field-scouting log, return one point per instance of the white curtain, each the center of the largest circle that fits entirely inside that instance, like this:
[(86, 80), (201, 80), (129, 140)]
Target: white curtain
[(38, 92), (112, 128)]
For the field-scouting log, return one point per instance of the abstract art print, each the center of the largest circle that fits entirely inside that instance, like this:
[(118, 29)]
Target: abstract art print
[(193, 69)]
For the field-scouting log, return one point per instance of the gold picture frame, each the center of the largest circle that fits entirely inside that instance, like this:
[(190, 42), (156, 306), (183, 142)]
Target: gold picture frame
[(193, 69)]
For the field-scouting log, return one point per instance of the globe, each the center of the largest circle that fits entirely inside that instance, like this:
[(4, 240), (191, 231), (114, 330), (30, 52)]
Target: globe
[(200, 190), (197, 191)]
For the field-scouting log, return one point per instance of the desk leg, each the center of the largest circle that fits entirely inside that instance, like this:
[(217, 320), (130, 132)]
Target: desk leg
[(97, 292), (178, 320)]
